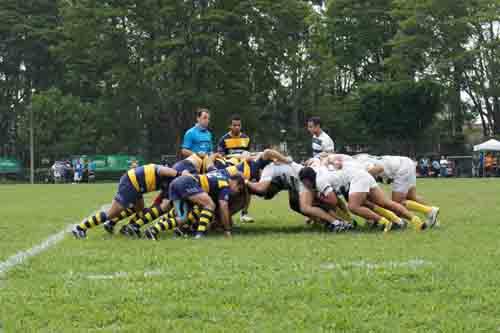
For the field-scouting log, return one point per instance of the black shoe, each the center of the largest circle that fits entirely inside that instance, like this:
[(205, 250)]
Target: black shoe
[(109, 227), (79, 233), (151, 234), (132, 230), (339, 226), (178, 233)]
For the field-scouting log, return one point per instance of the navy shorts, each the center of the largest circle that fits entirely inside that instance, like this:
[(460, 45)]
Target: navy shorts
[(185, 165), (184, 187), (127, 195)]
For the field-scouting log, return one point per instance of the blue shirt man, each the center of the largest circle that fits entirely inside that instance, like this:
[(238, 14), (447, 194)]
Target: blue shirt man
[(198, 139)]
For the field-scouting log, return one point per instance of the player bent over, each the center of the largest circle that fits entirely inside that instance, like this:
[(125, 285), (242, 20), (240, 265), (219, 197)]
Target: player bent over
[(129, 198), (401, 170), (208, 192)]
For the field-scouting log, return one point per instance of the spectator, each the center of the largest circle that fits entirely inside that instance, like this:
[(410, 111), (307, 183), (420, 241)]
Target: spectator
[(489, 164), (424, 167), (444, 166), (321, 141), (198, 139), (78, 171), (234, 142), (436, 168)]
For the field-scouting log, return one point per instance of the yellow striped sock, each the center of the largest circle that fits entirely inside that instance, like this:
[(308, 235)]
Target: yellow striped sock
[(418, 207)]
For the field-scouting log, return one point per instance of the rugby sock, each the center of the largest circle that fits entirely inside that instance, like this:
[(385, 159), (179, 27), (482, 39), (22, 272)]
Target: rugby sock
[(194, 215), (165, 223), (387, 214), (418, 207), (206, 217), (149, 215), (343, 214), (93, 221), (123, 215)]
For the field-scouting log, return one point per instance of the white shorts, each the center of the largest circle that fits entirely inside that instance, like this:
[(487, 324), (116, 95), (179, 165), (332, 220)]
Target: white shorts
[(406, 177), (362, 184)]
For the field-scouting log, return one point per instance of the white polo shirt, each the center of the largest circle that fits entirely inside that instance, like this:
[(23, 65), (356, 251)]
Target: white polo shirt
[(322, 143)]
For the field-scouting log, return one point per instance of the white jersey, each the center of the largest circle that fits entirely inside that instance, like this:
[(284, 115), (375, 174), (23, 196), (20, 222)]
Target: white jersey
[(322, 144), (287, 174)]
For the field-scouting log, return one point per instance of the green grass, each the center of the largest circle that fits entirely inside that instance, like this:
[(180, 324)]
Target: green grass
[(275, 275)]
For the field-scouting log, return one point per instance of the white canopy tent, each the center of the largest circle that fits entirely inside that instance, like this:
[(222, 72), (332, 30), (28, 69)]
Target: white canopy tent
[(490, 145)]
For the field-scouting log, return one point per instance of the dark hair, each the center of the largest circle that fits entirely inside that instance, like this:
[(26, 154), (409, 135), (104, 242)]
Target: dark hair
[(236, 117), (200, 111), (315, 120), (239, 179), (308, 174)]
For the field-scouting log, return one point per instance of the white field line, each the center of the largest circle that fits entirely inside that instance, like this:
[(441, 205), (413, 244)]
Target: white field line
[(21, 256), (118, 275), (413, 263)]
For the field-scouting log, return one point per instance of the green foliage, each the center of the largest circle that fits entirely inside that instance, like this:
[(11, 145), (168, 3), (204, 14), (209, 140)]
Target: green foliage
[(144, 66), (399, 110)]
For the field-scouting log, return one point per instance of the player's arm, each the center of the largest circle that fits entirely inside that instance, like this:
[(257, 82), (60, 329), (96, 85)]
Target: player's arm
[(306, 207), (225, 217), (273, 155), (186, 152), (169, 172), (221, 147), (375, 170), (329, 146), (260, 187), (187, 145)]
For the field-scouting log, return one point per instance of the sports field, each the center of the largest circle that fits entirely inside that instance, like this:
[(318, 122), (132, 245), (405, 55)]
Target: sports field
[(274, 275)]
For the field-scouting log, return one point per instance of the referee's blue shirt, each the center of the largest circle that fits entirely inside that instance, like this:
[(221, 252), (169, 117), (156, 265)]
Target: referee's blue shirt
[(198, 140)]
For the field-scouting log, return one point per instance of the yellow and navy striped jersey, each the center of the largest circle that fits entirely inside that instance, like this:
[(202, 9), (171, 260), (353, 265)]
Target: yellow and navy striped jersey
[(249, 169), (215, 184), (230, 144), (146, 178), (200, 163)]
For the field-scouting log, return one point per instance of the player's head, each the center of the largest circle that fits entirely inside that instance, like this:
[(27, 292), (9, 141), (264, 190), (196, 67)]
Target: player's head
[(236, 183), (308, 177), (203, 117), (314, 125), (235, 125)]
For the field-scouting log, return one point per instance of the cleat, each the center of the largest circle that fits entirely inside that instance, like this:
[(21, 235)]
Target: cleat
[(388, 227), (339, 226), (200, 235), (245, 218), (124, 230), (151, 234), (432, 217), (133, 230), (109, 227), (178, 233), (400, 225), (79, 233)]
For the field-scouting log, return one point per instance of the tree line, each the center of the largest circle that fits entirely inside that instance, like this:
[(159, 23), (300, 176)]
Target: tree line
[(125, 76)]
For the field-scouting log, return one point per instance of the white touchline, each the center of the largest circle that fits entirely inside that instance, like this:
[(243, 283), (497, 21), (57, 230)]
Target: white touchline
[(22, 256)]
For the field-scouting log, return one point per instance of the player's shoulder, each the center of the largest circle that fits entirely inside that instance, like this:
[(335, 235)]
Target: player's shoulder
[(191, 131)]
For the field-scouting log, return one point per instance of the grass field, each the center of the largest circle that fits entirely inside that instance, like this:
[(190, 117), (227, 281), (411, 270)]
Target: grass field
[(274, 275)]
